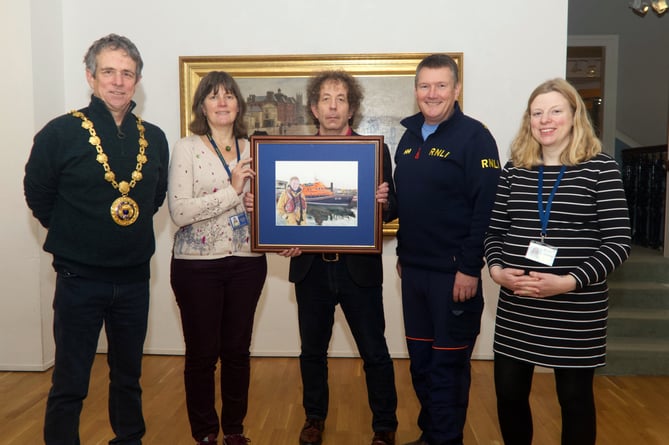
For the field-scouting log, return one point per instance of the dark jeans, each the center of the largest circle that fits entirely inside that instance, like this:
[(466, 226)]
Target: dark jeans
[(440, 338), (513, 382), (217, 300), (80, 308), (326, 285)]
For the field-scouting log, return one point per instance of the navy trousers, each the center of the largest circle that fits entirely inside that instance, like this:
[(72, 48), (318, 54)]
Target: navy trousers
[(440, 338), (80, 307)]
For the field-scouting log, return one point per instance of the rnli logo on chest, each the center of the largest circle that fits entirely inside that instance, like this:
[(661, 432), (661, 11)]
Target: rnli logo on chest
[(490, 163), (438, 153)]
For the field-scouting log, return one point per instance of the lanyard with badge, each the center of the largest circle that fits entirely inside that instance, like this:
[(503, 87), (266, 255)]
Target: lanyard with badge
[(240, 220), (539, 251)]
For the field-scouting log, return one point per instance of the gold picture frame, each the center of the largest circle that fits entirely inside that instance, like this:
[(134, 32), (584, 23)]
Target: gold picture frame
[(387, 80)]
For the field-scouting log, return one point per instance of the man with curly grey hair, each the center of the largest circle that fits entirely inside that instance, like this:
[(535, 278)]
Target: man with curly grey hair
[(352, 281)]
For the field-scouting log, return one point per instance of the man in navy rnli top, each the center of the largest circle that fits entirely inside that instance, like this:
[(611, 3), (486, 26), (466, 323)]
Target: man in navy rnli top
[(447, 168)]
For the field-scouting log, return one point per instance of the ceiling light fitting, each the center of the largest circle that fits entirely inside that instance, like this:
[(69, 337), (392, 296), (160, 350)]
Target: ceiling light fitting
[(640, 7)]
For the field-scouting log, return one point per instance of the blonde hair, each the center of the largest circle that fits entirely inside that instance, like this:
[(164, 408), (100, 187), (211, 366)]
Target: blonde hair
[(583, 144)]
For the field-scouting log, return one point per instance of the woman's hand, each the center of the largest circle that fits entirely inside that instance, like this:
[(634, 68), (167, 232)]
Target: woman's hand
[(542, 285), (534, 284), (506, 276), (240, 174), (248, 202)]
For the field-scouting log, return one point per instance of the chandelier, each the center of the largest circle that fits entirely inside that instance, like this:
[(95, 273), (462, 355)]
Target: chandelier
[(641, 7)]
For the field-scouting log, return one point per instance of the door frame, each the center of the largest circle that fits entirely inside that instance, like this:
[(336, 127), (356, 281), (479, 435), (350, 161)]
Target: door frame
[(610, 44)]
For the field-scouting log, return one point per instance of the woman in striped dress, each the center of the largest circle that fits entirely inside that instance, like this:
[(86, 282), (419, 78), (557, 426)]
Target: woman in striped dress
[(559, 226)]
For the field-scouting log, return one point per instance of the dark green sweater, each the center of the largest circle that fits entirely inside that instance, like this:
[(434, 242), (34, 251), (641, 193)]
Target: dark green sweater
[(65, 189)]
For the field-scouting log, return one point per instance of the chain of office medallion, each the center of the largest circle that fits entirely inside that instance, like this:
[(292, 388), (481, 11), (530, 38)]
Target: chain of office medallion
[(123, 187)]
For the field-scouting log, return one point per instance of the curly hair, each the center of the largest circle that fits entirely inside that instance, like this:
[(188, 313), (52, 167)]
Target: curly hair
[(583, 144), (354, 93), (212, 83)]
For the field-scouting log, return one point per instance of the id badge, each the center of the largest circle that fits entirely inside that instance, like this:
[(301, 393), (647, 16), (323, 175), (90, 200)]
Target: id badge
[(541, 253), (238, 221)]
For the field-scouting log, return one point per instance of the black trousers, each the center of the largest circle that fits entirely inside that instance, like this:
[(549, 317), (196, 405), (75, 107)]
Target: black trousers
[(326, 285), (513, 382)]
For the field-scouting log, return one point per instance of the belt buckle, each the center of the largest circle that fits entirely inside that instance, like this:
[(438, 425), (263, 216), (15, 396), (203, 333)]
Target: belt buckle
[(328, 259)]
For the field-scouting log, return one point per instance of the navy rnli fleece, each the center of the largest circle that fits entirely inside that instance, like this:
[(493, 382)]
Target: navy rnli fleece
[(446, 188)]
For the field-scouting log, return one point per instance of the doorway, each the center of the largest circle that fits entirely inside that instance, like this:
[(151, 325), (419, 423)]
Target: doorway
[(592, 67), (584, 71)]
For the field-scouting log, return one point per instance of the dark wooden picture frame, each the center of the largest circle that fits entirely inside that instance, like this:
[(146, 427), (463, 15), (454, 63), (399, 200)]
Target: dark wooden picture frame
[(338, 178)]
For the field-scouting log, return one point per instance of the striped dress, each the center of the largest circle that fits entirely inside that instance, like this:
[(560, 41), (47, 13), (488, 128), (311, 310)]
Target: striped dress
[(589, 225)]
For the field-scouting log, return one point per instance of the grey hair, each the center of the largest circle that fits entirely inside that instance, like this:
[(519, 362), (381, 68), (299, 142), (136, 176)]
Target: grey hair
[(435, 61), (113, 42)]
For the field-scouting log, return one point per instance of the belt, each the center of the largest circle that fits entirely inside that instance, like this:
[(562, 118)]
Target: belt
[(330, 257)]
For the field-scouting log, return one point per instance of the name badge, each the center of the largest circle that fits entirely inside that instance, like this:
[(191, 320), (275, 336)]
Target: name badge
[(541, 253), (238, 221)]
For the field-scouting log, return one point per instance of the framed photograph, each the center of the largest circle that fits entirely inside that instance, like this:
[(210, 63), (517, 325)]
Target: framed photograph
[(317, 193), (274, 87)]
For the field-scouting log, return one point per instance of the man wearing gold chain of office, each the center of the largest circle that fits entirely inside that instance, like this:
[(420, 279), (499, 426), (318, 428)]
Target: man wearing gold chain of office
[(94, 179)]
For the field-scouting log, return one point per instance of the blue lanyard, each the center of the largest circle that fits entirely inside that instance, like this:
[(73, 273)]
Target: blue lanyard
[(544, 214), (220, 155)]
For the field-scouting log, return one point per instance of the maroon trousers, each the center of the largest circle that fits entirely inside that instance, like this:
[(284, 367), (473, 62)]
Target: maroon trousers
[(217, 300)]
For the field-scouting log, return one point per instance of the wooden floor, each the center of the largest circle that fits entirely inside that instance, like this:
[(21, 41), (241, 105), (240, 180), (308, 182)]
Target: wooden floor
[(631, 410)]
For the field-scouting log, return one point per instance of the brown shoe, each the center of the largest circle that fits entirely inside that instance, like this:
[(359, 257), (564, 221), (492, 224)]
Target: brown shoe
[(312, 432), (384, 438), (209, 440), (236, 439)]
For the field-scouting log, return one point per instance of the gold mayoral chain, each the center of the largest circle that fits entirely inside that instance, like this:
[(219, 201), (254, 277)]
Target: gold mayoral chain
[(124, 210)]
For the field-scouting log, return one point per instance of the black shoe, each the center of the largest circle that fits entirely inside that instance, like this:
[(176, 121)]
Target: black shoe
[(312, 432), (384, 438)]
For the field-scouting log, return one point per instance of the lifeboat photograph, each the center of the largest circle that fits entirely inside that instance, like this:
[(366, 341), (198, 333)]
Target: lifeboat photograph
[(329, 188), (317, 193)]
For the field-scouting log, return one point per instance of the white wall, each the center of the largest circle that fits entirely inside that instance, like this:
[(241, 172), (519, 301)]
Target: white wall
[(28, 91), (19, 302), (508, 49)]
